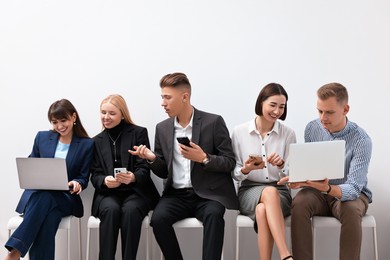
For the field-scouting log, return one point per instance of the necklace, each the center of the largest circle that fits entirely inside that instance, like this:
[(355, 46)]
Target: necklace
[(114, 143)]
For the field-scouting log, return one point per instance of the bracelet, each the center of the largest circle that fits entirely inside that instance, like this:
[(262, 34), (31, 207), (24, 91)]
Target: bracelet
[(329, 189), (280, 165)]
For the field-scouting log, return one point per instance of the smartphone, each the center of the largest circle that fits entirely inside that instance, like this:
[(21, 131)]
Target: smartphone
[(119, 170), (256, 158), (184, 140)]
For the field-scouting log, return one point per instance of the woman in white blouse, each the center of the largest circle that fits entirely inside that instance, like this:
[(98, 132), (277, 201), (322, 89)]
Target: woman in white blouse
[(261, 148)]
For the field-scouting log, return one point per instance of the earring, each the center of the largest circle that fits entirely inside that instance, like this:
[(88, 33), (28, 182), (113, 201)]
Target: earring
[(74, 123)]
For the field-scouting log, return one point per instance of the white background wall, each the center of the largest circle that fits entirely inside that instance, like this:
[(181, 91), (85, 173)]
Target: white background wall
[(85, 50)]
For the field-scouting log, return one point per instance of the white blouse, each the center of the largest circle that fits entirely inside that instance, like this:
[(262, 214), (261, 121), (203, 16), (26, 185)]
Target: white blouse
[(247, 140)]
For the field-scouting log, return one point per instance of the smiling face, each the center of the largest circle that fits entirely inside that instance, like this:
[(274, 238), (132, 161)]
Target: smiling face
[(273, 107), (332, 114), (64, 126), (110, 115)]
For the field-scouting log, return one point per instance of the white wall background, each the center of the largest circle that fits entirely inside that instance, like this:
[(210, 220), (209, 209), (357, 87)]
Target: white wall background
[(85, 50)]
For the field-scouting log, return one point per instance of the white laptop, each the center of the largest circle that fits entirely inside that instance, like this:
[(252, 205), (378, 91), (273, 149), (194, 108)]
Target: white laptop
[(42, 173), (316, 160)]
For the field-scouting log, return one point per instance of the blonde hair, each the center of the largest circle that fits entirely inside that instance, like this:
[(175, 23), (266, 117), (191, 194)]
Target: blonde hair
[(333, 89), (119, 102)]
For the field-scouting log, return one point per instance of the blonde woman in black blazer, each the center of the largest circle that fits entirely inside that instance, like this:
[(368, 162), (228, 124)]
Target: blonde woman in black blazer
[(120, 201)]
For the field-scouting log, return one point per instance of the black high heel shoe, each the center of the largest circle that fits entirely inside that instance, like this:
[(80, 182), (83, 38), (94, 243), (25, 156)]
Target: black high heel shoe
[(288, 257)]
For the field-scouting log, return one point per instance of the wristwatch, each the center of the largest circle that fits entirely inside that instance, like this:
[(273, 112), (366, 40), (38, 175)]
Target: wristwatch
[(329, 189), (206, 160)]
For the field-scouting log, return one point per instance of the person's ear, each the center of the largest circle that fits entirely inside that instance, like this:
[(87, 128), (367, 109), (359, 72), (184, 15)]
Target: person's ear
[(74, 117), (185, 97), (346, 109)]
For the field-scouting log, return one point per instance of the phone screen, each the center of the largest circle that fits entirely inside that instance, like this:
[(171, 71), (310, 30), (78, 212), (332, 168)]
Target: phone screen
[(184, 140)]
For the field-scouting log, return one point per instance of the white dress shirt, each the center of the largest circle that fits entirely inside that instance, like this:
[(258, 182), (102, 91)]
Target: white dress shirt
[(181, 166), (246, 140)]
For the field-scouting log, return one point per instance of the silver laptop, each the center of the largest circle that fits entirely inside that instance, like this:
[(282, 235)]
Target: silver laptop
[(42, 173), (316, 161)]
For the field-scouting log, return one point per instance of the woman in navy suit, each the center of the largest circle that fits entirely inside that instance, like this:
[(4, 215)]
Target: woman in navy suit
[(123, 197), (44, 209)]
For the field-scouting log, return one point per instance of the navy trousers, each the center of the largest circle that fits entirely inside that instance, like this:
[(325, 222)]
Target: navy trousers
[(41, 219)]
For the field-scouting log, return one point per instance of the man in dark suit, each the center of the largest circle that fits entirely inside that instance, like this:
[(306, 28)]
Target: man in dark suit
[(198, 177)]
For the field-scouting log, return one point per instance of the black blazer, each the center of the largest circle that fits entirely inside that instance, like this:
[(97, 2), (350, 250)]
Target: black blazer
[(103, 166), (77, 160), (212, 181)]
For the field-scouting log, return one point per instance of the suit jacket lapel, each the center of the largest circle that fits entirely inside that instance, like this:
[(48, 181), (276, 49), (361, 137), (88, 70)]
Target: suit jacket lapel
[(74, 145), (105, 149), (126, 144), (169, 134), (196, 125), (53, 143)]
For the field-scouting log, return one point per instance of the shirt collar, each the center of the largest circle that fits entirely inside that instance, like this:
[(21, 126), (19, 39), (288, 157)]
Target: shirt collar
[(177, 125), (343, 131), (252, 127)]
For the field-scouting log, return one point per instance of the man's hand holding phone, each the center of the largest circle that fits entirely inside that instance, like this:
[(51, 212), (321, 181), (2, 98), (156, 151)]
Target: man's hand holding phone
[(184, 140), (190, 150)]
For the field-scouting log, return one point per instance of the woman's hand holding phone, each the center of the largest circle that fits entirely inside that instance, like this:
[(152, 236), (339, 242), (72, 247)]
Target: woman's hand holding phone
[(255, 159), (254, 162)]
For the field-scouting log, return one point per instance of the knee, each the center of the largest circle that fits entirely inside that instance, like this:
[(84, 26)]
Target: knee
[(159, 218), (349, 212), (270, 191), (42, 197), (299, 204), (260, 210), (270, 194), (131, 209), (41, 201), (214, 213), (111, 211)]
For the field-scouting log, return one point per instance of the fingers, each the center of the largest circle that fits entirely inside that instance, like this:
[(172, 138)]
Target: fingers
[(125, 178), (283, 180), (275, 159), (111, 182), (143, 152), (76, 187)]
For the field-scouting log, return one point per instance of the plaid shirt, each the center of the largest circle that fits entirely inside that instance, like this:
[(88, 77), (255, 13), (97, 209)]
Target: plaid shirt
[(358, 150)]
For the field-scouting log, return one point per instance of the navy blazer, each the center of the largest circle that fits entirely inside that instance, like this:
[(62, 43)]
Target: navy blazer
[(212, 181), (77, 160), (103, 166)]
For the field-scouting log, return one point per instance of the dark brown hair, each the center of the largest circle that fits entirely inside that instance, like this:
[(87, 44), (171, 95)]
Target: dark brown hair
[(269, 90), (175, 80), (64, 109)]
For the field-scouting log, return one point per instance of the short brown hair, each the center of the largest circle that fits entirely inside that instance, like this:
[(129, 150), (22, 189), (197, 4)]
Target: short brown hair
[(333, 90), (271, 89), (174, 80)]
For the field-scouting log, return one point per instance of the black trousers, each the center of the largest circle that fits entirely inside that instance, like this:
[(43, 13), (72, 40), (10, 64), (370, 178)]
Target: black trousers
[(125, 212), (178, 204)]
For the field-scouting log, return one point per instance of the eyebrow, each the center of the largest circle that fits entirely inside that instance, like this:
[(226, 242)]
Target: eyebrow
[(275, 103)]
